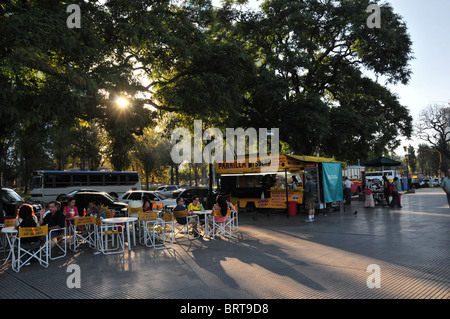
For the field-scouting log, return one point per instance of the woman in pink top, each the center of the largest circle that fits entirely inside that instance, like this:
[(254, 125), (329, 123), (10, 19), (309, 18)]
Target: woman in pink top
[(221, 204), (71, 210)]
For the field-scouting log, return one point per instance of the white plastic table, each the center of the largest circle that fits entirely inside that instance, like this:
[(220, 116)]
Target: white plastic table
[(126, 221), (10, 233), (206, 213)]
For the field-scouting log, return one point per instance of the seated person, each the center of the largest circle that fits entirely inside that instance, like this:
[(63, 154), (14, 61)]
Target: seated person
[(97, 210), (230, 205), (180, 207), (71, 210), (221, 204), (26, 218), (147, 204), (196, 206), (55, 219)]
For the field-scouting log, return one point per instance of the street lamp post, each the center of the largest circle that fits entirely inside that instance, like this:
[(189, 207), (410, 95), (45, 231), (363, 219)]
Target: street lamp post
[(407, 166)]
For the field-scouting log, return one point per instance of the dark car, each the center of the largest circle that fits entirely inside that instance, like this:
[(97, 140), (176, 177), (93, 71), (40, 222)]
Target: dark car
[(11, 202), (64, 197), (206, 197), (82, 200), (415, 183)]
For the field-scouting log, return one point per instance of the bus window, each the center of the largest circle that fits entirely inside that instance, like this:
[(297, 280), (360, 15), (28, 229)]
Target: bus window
[(95, 179), (36, 182), (79, 179), (49, 181), (62, 180), (123, 179), (111, 179), (132, 179)]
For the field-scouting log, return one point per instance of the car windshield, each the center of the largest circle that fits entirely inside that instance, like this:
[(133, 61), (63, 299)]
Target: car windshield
[(160, 188), (109, 197), (71, 194), (161, 197), (11, 196)]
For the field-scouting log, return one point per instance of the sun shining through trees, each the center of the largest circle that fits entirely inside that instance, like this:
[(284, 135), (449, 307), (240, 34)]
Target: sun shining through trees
[(122, 102)]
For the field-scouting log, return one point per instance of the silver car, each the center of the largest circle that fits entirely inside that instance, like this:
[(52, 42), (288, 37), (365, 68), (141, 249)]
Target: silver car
[(167, 190), (152, 195)]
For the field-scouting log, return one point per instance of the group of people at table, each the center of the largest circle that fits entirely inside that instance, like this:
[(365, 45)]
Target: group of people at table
[(222, 204), (56, 218)]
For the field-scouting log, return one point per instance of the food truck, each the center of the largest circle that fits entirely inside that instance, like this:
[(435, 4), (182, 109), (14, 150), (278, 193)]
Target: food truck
[(258, 184)]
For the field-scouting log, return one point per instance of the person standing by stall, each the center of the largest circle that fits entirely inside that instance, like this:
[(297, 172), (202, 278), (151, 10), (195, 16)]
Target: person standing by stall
[(347, 184), (386, 189), (310, 197)]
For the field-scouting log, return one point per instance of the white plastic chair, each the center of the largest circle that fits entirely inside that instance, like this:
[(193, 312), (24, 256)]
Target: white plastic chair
[(37, 249)]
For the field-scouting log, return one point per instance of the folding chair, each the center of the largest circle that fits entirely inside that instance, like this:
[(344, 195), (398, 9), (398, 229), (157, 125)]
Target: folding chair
[(110, 238), (134, 211), (84, 232), (60, 243), (163, 230), (108, 213), (234, 221), (221, 227), (37, 249), (144, 221), (190, 221), (8, 222)]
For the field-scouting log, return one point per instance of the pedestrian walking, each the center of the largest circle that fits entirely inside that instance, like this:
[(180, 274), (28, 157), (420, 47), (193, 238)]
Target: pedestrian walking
[(446, 186), (395, 194)]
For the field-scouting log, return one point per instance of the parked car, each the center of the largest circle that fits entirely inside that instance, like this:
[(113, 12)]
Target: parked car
[(11, 202), (437, 182), (206, 197), (152, 195), (167, 190), (177, 193), (64, 197), (415, 183), (426, 182), (82, 200)]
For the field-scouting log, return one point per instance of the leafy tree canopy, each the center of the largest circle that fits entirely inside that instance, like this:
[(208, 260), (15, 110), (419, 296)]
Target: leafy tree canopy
[(296, 65)]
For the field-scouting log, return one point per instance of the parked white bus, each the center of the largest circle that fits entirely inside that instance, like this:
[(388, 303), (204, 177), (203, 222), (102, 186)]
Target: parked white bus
[(390, 174), (47, 185)]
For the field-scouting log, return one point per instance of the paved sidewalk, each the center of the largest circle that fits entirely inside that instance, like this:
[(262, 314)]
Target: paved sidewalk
[(273, 257)]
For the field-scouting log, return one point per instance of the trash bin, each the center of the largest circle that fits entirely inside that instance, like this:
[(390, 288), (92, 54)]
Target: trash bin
[(292, 208)]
